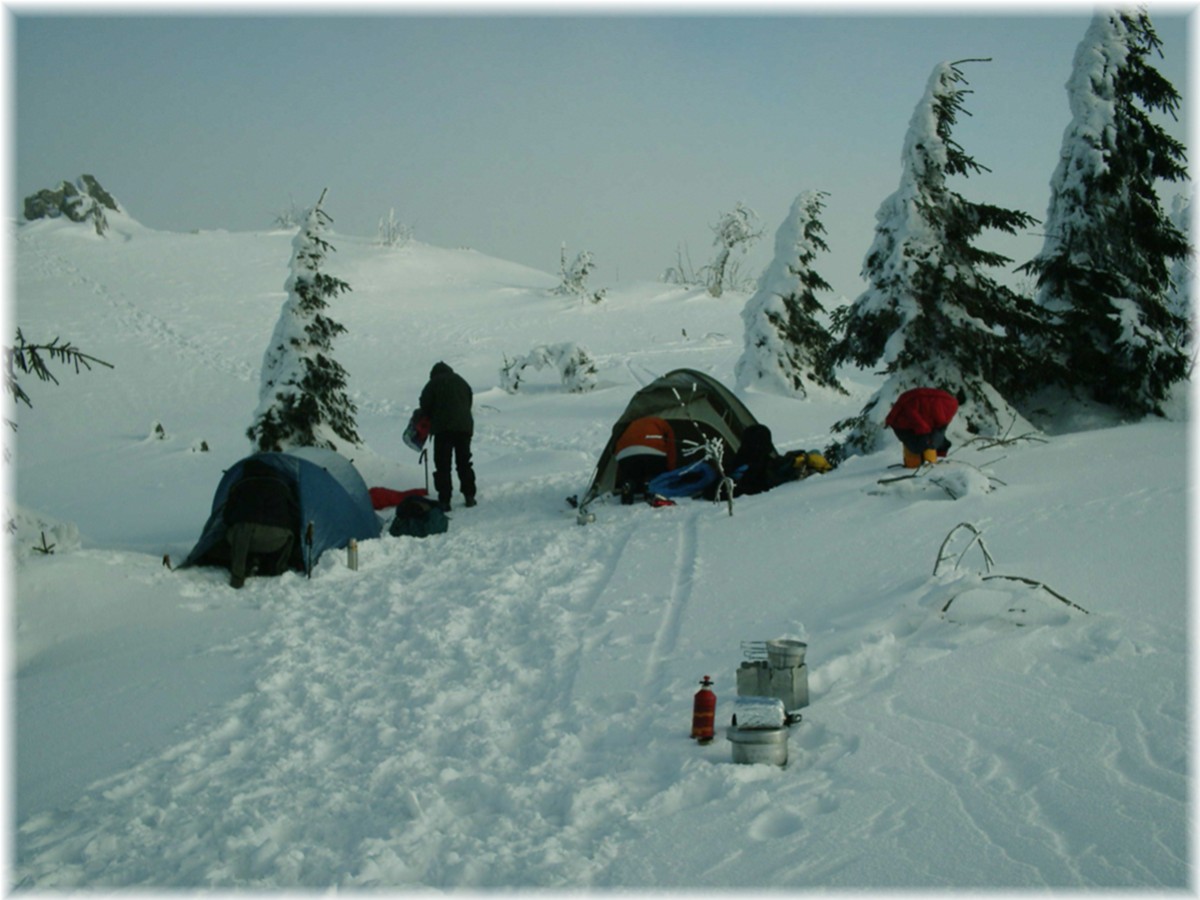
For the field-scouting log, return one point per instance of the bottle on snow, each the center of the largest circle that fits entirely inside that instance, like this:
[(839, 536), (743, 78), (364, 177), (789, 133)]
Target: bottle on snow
[(704, 710)]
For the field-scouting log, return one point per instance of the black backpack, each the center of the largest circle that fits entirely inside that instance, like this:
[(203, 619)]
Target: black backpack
[(755, 466), (418, 517)]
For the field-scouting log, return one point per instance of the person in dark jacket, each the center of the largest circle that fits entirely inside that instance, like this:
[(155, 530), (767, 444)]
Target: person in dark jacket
[(262, 519), (447, 399), (919, 419)]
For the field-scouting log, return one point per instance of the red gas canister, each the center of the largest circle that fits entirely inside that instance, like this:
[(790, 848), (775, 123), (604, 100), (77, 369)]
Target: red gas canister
[(704, 711)]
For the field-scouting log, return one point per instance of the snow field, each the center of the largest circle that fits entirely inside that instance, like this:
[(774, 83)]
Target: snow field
[(507, 705)]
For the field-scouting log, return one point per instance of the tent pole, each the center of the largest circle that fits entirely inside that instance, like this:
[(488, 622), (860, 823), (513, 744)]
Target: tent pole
[(308, 540)]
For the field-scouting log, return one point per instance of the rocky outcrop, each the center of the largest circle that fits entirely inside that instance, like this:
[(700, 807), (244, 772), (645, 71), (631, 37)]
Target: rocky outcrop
[(83, 201)]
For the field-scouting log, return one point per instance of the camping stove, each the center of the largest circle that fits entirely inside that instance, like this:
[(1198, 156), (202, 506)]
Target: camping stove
[(775, 669)]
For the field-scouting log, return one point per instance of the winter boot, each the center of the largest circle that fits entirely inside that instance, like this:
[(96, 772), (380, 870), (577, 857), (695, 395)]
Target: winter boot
[(911, 460), (930, 456)]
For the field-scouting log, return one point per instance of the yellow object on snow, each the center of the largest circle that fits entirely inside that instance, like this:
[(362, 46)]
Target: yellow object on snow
[(816, 462)]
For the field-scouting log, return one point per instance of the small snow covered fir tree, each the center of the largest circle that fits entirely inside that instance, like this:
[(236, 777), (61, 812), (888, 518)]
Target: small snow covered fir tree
[(931, 315), (575, 276), (303, 400), (787, 348), (735, 231), (1104, 271)]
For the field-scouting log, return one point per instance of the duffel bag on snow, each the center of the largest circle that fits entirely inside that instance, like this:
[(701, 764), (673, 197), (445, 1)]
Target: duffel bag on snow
[(418, 517)]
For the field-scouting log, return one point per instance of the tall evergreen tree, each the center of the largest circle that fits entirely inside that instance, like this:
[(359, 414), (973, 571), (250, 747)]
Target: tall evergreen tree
[(787, 349), (1103, 273), (303, 400), (930, 315)]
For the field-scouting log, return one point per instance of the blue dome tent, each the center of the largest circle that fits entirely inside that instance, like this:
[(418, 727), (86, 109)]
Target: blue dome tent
[(335, 506)]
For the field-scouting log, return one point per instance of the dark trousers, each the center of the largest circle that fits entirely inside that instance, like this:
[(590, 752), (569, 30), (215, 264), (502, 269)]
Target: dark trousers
[(271, 543), (917, 443), (637, 471), (452, 448)]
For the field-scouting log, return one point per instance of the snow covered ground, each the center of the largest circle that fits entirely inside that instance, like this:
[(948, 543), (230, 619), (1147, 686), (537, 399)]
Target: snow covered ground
[(508, 705)]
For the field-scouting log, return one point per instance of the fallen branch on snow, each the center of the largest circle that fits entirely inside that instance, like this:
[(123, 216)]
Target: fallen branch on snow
[(989, 562)]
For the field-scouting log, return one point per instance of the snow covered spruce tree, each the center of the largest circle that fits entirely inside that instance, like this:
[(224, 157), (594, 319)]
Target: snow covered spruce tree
[(930, 315), (787, 348), (736, 230), (1103, 273), (1182, 273), (303, 400)]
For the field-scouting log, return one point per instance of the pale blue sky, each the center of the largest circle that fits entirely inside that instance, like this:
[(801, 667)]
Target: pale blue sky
[(620, 134)]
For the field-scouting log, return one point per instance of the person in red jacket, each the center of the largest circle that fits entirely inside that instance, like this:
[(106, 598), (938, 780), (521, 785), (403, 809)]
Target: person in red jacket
[(919, 419), (645, 448)]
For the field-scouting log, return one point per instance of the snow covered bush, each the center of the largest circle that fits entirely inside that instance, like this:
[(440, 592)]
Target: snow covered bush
[(574, 277), (573, 362), (683, 272), (290, 216), (930, 315), (303, 400), (1104, 277), (33, 534), (736, 230), (393, 233), (787, 349)]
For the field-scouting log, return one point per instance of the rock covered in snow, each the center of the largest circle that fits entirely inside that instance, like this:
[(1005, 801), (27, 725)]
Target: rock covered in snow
[(80, 201)]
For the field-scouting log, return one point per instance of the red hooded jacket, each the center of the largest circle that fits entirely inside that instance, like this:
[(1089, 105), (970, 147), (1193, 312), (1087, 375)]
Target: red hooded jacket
[(922, 411), (649, 434)]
